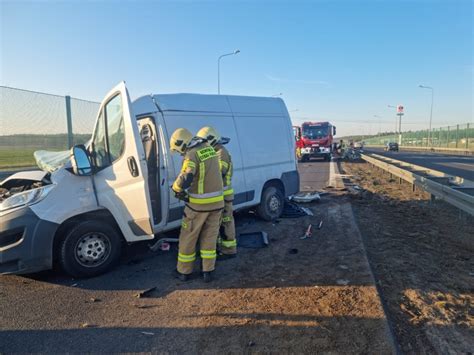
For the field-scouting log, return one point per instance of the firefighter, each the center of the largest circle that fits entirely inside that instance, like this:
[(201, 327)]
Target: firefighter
[(227, 244), (199, 184)]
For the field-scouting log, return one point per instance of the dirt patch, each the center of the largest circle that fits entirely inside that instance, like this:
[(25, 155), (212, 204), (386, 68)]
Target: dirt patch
[(422, 257)]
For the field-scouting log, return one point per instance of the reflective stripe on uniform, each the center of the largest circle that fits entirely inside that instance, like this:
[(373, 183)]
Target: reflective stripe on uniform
[(188, 164), (229, 191), (186, 258), (229, 243), (208, 254), (202, 175), (209, 197), (204, 201), (226, 219), (223, 164), (228, 175)]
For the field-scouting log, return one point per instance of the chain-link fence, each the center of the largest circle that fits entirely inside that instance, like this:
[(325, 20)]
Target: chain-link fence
[(460, 136), (31, 121)]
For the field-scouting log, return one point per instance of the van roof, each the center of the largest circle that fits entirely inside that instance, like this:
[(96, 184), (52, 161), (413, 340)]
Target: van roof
[(211, 103)]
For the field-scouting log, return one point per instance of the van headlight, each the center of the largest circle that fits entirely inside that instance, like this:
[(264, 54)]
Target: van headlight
[(26, 198)]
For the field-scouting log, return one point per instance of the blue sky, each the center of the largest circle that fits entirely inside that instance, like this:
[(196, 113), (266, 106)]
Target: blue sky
[(341, 61)]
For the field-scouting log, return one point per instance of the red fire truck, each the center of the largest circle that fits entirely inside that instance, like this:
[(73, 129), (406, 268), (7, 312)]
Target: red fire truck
[(314, 139)]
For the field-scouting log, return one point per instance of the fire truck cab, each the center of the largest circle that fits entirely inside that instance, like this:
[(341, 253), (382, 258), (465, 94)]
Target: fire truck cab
[(314, 140)]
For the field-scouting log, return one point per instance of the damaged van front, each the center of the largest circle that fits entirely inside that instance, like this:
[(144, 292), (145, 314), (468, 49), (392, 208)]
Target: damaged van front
[(28, 201), (83, 203)]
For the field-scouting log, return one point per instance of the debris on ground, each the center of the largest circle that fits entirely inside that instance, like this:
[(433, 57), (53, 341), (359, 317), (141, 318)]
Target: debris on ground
[(253, 240), (308, 211), (87, 325), (292, 210), (145, 293), (293, 251), (342, 282), (308, 233), (163, 244), (305, 197), (147, 333), (320, 225)]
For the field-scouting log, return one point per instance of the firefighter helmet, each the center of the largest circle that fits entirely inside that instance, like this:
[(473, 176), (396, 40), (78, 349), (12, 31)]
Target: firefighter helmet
[(180, 140), (210, 134)]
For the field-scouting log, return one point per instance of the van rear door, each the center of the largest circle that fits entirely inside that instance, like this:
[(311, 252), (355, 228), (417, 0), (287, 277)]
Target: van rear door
[(121, 181)]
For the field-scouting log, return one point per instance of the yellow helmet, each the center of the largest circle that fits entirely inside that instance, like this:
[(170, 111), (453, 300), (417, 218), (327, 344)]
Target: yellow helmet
[(210, 134), (180, 140)]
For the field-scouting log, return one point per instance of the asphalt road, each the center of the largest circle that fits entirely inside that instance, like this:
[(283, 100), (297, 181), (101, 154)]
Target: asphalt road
[(314, 175), (265, 298), (462, 166)]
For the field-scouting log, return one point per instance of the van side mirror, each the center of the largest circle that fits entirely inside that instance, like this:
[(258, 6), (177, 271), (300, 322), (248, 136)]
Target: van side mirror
[(333, 130), (81, 163)]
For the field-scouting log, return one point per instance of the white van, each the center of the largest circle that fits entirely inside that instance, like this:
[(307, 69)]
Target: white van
[(118, 188)]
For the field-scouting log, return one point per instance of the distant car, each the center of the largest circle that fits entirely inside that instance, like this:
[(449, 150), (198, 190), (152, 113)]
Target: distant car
[(391, 147)]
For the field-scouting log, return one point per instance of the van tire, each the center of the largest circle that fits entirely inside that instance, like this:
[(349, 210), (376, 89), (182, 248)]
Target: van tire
[(87, 243), (271, 205)]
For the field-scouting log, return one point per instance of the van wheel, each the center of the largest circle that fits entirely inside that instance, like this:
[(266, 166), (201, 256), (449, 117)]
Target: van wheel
[(271, 205), (90, 248)]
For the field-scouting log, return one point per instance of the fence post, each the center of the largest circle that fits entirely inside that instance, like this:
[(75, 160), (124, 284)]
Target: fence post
[(457, 135), (70, 141), (467, 138), (447, 138)]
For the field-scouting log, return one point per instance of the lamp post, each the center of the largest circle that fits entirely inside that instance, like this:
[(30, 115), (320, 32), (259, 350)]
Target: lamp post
[(431, 111), (237, 51)]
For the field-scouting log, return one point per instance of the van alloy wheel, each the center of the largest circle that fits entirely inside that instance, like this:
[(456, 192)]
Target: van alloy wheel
[(92, 249), (274, 203)]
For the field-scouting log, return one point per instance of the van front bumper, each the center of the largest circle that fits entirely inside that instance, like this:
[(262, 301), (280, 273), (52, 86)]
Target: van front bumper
[(26, 242)]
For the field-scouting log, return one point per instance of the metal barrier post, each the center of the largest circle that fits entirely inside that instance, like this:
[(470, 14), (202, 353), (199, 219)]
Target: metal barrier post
[(70, 140)]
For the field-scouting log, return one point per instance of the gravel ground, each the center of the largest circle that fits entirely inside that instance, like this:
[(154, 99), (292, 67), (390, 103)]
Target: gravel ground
[(421, 254)]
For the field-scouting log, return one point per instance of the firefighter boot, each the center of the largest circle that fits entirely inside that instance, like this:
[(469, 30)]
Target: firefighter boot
[(207, 277)]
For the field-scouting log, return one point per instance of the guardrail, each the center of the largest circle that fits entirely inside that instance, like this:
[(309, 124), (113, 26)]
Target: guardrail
[(453, 151), (453, 189)]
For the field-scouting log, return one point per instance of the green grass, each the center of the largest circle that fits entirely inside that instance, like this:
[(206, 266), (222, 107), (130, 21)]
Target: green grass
[(16, 158)]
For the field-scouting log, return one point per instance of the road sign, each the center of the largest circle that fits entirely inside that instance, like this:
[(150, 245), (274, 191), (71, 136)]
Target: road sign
[(400, 109)]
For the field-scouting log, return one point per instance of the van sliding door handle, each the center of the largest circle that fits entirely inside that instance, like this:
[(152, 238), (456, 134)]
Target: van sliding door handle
[(132, 166)]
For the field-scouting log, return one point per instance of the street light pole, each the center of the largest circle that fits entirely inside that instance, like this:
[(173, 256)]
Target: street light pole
[(431, 110), (237, 51)]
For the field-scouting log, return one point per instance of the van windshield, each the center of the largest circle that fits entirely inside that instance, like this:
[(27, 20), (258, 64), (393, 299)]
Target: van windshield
[(315, 132)]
